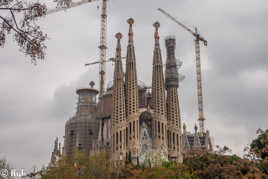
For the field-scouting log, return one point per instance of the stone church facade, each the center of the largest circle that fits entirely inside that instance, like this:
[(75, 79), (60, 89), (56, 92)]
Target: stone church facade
[(131, 118)]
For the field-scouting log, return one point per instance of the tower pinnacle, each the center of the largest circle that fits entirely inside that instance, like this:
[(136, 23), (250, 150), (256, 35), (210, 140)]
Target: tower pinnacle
[(158, 90), (119, 107), (173, 107), (130, 33), (118, 114), (158, 96), (131, 74), (118, 36), (156, 34), (132, 95)]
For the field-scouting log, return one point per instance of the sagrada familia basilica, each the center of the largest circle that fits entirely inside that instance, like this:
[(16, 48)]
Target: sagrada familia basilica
[(131, 118)]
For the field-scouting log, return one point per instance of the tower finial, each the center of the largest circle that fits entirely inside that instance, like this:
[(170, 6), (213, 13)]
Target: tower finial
[(156, 34), (118, 36), (130, 33), (130, 21), (92, 84), (131, 82)]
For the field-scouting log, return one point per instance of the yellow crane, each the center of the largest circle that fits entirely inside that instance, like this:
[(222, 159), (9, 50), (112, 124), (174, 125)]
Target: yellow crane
[(198, 68)]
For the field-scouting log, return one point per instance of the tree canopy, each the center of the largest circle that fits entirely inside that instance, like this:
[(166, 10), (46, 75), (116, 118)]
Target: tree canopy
[(18, 18), (196, 164)]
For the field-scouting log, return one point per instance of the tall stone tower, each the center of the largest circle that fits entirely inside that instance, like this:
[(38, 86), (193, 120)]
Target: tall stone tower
[(82, 129), (158, 97), (119, 109), (132, 103), (173, 108)]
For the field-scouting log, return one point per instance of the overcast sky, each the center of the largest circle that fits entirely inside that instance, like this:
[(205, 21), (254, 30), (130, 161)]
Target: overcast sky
[(36, 101)]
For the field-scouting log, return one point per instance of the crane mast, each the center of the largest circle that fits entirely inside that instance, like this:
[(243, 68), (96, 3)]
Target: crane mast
[(198, 38), (103, 46), (67, 4), (201, 118)]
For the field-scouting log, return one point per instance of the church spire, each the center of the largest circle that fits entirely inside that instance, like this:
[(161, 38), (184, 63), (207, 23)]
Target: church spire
[(156, 33), (172, 84), (158, 89), (119, 109), (173, 108), (130, 33), (119, 113), (131, 74), (158, 97)]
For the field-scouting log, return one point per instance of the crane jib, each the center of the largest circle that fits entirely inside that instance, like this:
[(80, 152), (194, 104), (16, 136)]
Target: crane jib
[(62, 7), (198, 68)]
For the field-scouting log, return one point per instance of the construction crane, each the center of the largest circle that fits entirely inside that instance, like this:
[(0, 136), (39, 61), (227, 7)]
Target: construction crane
[(103, 47), (98, 62), (198, 68), (63, 5)]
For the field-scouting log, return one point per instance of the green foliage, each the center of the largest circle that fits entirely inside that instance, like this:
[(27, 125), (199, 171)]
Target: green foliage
[(171, 170), (81, 165), (153, 158), (264, 166), (196, 165), (208, 165), (169, 164), (259, 146)]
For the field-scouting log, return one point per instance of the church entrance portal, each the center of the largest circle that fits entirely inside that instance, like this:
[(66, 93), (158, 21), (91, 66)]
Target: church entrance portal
[(145, 121)]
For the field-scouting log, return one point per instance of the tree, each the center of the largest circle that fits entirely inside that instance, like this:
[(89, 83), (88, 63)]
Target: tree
[(196, 164), (80, 165), (20, 21), (258, 150), (212, 165), (259, 146), (222, 150)]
